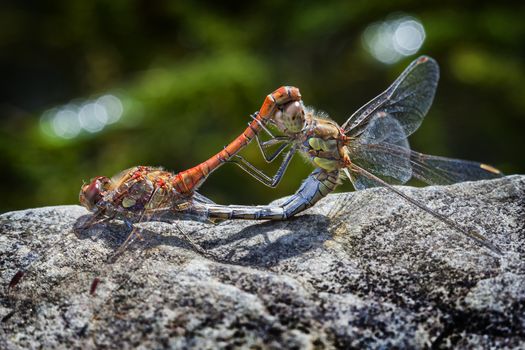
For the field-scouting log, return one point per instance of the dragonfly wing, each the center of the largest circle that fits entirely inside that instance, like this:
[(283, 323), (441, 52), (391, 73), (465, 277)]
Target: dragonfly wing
[(407, 100), (373, 151), (184, 209), (199, 198), (356, 172), (436, 170), (432, 170), (383, 150)]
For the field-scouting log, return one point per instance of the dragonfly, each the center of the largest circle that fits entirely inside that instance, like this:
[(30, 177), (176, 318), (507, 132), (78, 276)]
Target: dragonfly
[(370, 149), (144, 193)]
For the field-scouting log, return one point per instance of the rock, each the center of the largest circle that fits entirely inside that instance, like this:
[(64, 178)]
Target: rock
[(359, 270)]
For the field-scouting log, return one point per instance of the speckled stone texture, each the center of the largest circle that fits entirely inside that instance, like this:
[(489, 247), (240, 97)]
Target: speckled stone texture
[(359, 270)]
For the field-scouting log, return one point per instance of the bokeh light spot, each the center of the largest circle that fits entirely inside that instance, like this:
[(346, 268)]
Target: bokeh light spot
[(91, 116), (389, 41), (65, 123), (113, 107)]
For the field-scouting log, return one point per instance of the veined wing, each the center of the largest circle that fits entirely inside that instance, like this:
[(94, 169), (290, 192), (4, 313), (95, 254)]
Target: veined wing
[(432, 170), (371, 151), (381, 157), (383, 151), (407, 100), (354, 171), (436, 170), (160, 209)]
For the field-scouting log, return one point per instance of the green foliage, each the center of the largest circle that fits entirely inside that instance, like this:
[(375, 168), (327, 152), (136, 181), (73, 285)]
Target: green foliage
[(189, 75)]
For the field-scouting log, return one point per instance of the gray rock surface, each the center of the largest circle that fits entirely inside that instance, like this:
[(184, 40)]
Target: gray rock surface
[(359, 270)]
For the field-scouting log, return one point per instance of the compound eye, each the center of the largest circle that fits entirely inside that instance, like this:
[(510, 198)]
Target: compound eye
[(91, 194)]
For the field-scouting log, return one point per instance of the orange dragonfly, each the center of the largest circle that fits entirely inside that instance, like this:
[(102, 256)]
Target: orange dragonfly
[(145, 193)]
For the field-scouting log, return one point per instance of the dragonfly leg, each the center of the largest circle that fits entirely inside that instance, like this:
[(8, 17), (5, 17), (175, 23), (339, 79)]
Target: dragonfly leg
[(261, 124), (263, 145), (133, 233), (260, 175), (94, 220), (274, 140)]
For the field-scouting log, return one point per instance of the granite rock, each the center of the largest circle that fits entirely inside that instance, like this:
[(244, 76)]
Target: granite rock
[(359, 270)]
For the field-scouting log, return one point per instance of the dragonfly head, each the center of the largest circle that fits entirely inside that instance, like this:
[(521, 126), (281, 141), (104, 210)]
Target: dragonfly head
[(290, 118), (93, 192)]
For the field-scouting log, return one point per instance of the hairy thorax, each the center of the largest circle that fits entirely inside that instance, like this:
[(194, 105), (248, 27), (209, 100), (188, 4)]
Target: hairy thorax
[(323, 141), (138, 189)]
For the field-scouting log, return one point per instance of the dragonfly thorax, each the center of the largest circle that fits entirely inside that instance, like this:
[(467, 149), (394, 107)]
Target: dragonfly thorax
[(322, 140), (136, 190)]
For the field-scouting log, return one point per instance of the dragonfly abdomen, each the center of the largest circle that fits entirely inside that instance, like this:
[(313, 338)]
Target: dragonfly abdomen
[(189, 180), (316, 186)]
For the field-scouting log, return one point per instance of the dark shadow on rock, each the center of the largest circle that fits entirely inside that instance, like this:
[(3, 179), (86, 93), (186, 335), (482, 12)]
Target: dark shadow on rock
[(306, 232), (114, 233)]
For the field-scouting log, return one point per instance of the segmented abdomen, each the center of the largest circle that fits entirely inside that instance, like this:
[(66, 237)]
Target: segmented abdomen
[(316, 186)]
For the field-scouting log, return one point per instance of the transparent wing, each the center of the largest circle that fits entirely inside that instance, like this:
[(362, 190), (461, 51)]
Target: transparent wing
[(199, 198), (382, 149), (373, 151), (407, 100), (355, 171), (159, 208), (431, 170), (185, 209), (435, 170)]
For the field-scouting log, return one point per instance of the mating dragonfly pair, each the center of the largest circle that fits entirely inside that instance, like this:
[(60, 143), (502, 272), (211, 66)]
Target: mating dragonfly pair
[(370, 149)]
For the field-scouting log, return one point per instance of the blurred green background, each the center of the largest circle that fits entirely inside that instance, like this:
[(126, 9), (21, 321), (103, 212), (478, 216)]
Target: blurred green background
[(94, 87)]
